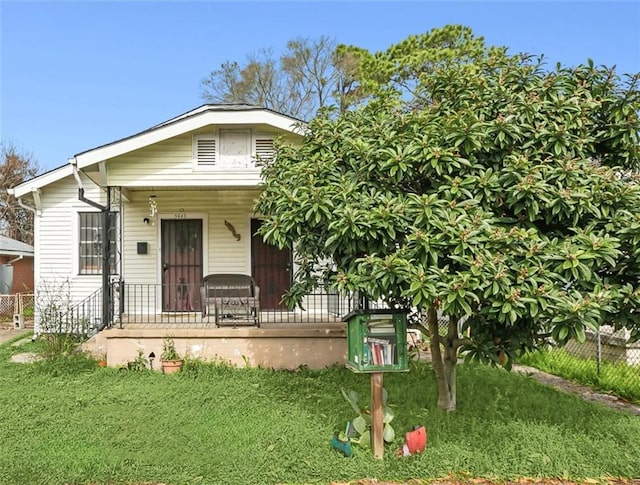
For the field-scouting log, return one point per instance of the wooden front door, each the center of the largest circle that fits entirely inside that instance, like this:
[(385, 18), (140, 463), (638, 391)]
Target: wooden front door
[(181, 260), (270, 268)]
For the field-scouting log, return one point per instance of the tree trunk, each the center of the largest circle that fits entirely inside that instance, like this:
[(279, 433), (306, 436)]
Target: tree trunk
[(443, 360)]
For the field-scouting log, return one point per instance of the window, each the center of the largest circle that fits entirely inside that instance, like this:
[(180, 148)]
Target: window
[(90, 243)]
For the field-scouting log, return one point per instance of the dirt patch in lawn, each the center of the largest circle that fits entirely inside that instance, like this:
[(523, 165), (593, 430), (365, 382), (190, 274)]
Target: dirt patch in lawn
[(8, 333)]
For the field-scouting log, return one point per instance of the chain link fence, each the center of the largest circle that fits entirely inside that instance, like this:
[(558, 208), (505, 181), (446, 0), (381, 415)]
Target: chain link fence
[(19, 306), (606, 361)]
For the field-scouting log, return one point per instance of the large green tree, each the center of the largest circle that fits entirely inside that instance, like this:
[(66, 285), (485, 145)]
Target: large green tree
[(496, 194)]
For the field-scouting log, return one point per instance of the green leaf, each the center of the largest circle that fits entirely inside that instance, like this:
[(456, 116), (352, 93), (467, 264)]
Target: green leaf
[(387, 415), (352, 399), (563, 333), (360, 424), (365, 439), (388, 433)]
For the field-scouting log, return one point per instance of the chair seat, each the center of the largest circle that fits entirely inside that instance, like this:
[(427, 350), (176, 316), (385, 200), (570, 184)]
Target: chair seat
[(231, 295)]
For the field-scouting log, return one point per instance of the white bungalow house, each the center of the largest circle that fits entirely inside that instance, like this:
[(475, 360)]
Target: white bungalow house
[(130, 229)]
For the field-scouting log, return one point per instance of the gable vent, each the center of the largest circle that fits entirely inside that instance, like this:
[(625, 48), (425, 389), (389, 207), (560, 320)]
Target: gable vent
[(264, 148), (206, 151)]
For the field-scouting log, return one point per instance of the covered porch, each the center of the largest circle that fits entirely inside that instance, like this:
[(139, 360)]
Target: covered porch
[(312, 335), (170, 240)]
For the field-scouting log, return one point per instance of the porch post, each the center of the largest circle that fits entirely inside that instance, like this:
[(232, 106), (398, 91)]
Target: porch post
[(106, 262)]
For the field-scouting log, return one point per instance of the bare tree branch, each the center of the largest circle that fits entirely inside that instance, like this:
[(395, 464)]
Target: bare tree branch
[(15, 221), (305, 77)]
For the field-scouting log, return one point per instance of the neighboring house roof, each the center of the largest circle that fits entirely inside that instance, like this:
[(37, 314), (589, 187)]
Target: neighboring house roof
[(207, 114), (11, 247)]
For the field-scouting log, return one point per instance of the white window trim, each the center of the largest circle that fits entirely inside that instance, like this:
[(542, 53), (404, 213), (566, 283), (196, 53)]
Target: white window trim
[(75, 235)]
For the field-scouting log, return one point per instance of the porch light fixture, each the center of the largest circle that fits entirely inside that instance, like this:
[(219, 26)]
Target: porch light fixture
[(153, 209)]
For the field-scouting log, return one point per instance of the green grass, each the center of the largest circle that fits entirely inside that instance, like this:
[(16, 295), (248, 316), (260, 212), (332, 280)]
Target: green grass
[(617, 378), (77, 423)]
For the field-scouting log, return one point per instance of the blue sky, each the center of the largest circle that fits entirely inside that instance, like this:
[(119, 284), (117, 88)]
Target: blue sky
[(76, 75)]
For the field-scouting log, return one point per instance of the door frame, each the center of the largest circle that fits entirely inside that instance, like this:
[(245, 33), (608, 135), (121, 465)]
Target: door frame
[(292, 267), (172, 216), (249, 255)]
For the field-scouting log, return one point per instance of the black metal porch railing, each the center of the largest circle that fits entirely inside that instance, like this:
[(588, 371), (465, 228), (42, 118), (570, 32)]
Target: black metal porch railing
[(83, 318), (181, 303)]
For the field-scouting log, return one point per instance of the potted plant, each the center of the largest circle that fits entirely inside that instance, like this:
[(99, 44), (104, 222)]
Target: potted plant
[(102, 360), (170, 359), (101, 357)]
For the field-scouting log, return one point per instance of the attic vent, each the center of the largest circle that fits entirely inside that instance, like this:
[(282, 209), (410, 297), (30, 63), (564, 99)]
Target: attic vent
[(205, 151), (264, 148)]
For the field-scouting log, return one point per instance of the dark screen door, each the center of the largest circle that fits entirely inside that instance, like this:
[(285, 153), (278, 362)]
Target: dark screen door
[(271, 268), (181, 264)]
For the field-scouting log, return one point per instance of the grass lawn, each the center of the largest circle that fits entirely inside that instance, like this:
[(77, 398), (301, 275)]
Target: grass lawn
[(217, 425)]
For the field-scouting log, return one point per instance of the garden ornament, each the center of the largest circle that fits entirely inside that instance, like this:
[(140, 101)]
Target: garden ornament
[(343, 447), (415, 441)]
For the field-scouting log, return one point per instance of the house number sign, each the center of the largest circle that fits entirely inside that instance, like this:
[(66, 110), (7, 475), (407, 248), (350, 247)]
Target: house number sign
[(181, 214)]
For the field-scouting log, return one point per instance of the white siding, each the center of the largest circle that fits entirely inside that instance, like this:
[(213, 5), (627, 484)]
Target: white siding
[(171, 163), (165, 169), (222, 254), (57, 234), (57, 238)]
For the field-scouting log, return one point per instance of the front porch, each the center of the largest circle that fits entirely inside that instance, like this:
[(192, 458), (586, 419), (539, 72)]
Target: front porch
[(312, 335)]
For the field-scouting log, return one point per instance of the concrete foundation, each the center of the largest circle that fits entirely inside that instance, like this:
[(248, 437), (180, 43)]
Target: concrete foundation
[(315, 346)]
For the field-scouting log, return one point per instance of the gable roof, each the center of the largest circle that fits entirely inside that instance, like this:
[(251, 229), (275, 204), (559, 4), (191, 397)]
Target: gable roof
[(207, 114), (204, 115), (11, 247)]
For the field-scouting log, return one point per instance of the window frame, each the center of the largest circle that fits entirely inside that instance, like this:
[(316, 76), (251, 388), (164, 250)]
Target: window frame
[(90, 262)]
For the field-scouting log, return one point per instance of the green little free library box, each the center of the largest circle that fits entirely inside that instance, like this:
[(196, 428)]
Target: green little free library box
[(377, 341)]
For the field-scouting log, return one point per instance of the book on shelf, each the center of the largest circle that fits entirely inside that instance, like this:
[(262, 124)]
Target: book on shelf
[(381, 350), (381, 327), (367, 358)]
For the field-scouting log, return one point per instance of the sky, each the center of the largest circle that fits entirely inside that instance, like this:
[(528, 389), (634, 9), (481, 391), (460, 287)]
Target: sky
[(75, 75)]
